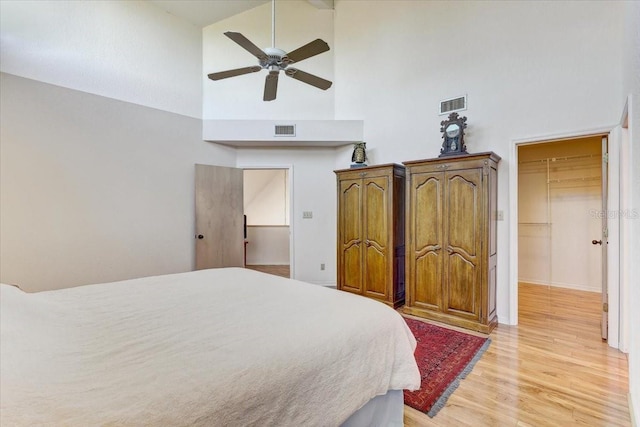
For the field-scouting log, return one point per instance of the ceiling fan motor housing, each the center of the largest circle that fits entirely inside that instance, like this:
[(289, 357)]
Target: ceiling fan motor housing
[(275, 57)]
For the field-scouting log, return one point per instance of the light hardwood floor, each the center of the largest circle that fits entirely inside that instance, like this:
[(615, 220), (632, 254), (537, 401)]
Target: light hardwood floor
[(278, 270), (552, 369)]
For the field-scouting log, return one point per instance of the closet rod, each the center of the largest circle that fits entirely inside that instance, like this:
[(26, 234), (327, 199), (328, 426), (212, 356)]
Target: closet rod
[(555, 159)]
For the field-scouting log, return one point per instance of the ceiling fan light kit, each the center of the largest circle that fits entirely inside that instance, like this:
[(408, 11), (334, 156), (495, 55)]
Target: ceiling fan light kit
[(275, 60)]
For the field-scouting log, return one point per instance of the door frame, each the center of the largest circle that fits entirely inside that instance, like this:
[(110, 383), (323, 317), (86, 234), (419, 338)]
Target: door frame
[(289, 168), (616, 311)]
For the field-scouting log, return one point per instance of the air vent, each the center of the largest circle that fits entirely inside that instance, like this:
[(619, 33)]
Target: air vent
[(453, 104), (285, 130)]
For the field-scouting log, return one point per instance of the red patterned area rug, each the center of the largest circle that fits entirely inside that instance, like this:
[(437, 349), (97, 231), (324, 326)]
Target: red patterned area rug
[(444, 357)]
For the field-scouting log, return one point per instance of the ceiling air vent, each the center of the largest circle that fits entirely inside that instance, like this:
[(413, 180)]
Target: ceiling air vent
[(285, 130), (453, 104)]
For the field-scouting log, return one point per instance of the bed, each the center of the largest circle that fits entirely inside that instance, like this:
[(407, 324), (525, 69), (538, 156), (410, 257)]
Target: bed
[(227, 347)]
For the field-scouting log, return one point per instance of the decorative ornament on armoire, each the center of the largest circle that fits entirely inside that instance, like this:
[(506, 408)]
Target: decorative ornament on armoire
[(453, 136), (359, 156), (275, 60)]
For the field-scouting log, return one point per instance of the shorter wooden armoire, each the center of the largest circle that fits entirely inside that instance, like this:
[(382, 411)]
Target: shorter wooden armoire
[(371, 232), (452, 240)]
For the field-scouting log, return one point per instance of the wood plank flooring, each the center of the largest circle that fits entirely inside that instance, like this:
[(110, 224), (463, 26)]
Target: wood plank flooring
[(552, 369), (278, 270)]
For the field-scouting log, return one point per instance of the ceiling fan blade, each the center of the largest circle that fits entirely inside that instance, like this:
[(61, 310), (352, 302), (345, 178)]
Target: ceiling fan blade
[(271, 86), (313, 48), (233, 73), (247, 45), (307, 78)]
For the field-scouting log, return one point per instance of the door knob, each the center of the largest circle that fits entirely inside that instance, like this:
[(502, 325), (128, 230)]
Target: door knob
[(596, 242), (200, 237)]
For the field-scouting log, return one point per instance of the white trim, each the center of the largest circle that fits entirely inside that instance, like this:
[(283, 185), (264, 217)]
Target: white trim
[(323, 283), (289, 167), (613, 226), (513, 204), (631, 410), (513, 235), (563, 135)]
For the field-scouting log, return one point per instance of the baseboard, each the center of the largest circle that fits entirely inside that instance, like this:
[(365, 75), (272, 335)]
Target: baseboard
[(325, 284), (574, 286), (261, 264)]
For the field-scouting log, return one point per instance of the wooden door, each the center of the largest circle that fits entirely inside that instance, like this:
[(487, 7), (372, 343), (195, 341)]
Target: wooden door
[(424, 275), (376, 223), (463, 236), (350, 236), (219, 217)]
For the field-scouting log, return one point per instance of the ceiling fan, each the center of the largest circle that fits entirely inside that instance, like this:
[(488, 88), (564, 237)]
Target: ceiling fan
[(275, 60)]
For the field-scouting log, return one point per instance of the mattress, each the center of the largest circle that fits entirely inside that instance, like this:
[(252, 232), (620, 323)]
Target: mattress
[(213, 347)]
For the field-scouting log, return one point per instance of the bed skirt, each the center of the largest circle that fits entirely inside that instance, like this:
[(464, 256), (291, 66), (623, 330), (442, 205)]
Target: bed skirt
[(385, 410)]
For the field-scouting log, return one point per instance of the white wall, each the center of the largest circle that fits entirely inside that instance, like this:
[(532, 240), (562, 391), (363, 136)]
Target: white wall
[(297, 23), (95, 189), (127, 50), (314, 189), (268, 245), (510, 58), (631, 86), (266, 196)]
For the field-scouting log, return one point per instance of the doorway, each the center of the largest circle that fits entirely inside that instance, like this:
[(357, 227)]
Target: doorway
[(560, 244), (267, 210)]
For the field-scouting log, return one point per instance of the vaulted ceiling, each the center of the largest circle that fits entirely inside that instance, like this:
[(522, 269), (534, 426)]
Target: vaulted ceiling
[(202, 13)]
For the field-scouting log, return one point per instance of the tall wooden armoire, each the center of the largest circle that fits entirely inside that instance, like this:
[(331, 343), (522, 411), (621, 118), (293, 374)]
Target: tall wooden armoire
[(371, 232), (452, 240)]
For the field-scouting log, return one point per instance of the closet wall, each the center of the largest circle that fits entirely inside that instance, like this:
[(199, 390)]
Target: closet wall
[(560, 199), (266, 205)]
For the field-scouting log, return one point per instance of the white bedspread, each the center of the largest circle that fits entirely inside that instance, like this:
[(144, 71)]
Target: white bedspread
[(219, 347)]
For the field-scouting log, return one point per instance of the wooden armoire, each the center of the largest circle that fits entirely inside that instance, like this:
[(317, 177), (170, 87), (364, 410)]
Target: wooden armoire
[(451, 240), (371, 232)]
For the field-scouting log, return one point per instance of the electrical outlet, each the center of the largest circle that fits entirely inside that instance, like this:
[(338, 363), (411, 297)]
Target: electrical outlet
[(500, 215), (307, 214), (322, 267)]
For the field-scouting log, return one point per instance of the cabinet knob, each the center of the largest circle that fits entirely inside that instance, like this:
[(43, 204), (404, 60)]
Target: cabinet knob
[(200, 236), (443, 167)]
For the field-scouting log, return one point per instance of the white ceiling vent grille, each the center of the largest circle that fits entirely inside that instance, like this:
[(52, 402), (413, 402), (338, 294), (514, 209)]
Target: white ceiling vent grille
[(454, 104), (285, 130)]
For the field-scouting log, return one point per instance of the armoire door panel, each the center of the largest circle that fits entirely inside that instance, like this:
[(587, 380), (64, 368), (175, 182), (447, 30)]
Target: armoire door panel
[(352, 267), (428, 280), (463, 211), (375, 207), (350, 212), (375, 276), (462, 292), (427, 197)]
